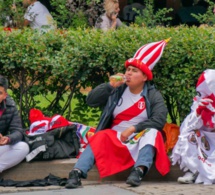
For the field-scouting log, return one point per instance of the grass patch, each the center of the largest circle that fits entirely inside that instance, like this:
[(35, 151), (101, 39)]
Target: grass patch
[(44, 101)]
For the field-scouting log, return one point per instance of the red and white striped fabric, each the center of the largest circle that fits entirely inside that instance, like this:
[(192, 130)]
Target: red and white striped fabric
[(41, 124), (147, 56), (150, 53)]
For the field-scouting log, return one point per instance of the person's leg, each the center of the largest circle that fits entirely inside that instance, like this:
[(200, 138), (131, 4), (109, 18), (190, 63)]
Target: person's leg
[(85, 162), (12, 155), (83, 165), (145, 158), (142, 165)]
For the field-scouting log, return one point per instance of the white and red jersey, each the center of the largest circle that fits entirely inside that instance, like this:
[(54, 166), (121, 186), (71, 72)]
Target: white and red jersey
[(131, 110), (111, 154)]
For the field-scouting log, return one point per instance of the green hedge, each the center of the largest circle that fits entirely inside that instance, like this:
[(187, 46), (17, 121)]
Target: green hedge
[(60, 63)]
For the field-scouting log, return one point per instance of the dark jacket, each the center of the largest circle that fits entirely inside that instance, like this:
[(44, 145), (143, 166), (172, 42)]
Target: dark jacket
[(107, 97), (10, 121)]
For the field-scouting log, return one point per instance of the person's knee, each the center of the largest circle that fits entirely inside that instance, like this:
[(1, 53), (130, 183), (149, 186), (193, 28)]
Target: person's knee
[(18, 151), (22, 147), (148, 149), (146, 156)]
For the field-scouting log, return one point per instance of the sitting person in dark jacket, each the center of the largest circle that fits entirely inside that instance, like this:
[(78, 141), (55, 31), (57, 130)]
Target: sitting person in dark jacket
[(12, 149), (129, 131)]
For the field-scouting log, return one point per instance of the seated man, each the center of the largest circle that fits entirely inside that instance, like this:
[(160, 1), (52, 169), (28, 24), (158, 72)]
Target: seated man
[(195, 149), (129, 131), (37, 15), (12, 149)]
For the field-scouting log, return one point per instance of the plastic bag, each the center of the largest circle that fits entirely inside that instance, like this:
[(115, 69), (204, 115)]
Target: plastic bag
[(171, 133)]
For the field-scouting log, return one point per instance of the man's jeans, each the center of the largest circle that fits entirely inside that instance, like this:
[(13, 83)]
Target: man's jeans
[(87, 160)]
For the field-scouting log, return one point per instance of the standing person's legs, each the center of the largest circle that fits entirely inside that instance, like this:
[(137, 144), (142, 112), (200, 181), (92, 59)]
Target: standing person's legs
[(11, 155), (142, 165), (83, 165)]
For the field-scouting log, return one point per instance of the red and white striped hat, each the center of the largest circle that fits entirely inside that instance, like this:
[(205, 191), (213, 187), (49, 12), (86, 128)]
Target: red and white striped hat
[(147, 56)]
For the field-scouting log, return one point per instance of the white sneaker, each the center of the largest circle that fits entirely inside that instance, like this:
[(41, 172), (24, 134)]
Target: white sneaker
[(188, 178)]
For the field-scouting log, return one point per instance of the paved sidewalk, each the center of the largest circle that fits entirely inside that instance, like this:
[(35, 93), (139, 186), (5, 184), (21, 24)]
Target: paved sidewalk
[(169, 188), (116, 188)]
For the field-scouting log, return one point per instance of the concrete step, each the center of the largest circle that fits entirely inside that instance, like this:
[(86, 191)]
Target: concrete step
[(61, 168)]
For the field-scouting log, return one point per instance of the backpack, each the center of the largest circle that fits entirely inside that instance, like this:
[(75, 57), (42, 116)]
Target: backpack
[(55, 144)]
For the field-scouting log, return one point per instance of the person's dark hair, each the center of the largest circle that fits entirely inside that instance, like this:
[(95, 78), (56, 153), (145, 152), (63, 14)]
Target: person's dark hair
[(3, 82)]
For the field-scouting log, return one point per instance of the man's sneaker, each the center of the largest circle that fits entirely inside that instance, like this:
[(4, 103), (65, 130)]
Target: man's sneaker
[(74, 180), (188, 178), (135, 177)]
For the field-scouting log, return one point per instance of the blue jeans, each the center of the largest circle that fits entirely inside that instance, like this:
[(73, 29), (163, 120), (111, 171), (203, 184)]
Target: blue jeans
[(87, 160), (145, 157)]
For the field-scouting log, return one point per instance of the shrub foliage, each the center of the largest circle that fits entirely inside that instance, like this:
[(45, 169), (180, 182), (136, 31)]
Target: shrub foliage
[(61, 63)]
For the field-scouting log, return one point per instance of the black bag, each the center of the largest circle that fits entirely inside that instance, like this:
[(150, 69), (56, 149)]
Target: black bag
[(55, 144)]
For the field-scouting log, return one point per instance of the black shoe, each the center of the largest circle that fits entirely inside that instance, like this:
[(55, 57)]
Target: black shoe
[(135, 177), (74, 180)]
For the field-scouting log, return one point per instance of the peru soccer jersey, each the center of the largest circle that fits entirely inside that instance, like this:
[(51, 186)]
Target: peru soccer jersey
[(113, 155), (131, 110)]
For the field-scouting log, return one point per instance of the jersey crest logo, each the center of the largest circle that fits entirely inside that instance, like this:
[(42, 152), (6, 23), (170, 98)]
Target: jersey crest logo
[(141, 105)]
